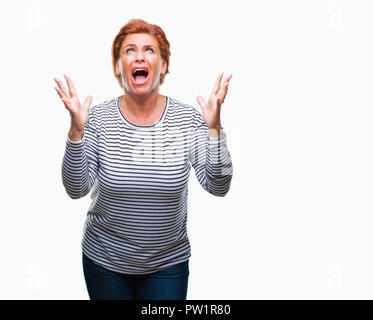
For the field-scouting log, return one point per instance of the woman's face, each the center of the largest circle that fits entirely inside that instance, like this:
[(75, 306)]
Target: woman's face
[(140, 64)]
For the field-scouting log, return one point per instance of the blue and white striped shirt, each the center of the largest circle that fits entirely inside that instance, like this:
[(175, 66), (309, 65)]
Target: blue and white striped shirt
[(137, 220)]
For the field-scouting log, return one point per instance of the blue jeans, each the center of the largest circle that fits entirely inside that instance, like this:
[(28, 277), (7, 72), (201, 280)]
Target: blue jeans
[(167, 284)]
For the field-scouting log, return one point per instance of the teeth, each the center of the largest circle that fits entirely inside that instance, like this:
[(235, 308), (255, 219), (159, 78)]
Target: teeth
[(140, 70)]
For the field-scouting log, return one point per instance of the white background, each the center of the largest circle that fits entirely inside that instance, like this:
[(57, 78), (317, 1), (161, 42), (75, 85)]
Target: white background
[(297, 222)]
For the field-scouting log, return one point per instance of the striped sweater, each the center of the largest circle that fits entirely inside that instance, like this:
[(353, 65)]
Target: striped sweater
[(137, 219)]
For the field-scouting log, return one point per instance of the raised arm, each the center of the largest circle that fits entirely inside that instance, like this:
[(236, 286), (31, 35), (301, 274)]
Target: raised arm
[(80, 162), (209, 153)]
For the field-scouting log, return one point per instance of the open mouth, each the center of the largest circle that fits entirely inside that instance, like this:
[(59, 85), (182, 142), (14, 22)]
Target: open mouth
[(140, 76)]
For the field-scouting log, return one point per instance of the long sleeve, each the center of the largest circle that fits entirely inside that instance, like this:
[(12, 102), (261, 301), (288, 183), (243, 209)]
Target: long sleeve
[(80, 162), (210, 158)]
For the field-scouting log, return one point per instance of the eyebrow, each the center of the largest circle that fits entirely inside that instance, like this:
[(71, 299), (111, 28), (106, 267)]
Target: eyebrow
[(134, 45)]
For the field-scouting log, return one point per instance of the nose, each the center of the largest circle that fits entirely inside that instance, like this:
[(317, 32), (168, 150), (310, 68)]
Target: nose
[(139, 56)]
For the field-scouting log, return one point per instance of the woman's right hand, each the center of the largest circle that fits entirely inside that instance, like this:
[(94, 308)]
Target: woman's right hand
[(78, 112)]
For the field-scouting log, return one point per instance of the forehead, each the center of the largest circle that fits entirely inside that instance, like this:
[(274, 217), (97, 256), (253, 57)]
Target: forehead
[(140, 39)]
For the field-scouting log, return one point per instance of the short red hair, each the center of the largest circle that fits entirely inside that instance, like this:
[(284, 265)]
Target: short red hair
[(141, 26)]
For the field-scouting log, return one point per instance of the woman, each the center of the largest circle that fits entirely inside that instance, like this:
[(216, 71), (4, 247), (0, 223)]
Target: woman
[(135, 153)]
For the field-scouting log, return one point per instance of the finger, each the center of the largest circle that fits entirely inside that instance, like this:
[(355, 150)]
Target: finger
[(64, 99), (66, 103), (62, 87), (217, 84), (221, 96), (70, 85), (224, 89), (228, 78), (226, 81), (87, 102), (60, 93), (201, 102), (223, 93)]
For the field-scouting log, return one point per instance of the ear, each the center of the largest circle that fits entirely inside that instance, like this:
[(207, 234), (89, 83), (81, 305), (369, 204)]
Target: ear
[(164, 67), (117, 69)]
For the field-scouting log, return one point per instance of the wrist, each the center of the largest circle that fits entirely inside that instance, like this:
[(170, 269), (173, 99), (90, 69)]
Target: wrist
[(76, 135), (216, 131)]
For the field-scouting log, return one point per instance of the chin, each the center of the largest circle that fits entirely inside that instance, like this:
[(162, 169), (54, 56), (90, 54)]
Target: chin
[(141, 91)]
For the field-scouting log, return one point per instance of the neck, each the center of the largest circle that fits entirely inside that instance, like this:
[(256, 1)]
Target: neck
[(141, 107)]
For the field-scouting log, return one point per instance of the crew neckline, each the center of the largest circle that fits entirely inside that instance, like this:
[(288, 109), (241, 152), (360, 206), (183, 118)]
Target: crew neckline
[(158, 122)]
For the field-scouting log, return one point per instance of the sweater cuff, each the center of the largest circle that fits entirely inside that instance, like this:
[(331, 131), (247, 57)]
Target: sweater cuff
[(221, 139), (75, 142)]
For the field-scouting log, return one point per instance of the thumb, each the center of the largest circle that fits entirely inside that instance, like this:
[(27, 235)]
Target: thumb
[(87, 102), (201, 102)]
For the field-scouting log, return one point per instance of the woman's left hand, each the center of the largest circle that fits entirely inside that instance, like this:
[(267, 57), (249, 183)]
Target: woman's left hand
[(211, 109)]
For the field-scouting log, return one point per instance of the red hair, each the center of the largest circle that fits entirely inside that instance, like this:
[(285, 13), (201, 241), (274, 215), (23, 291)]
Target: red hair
[(141, 26)]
